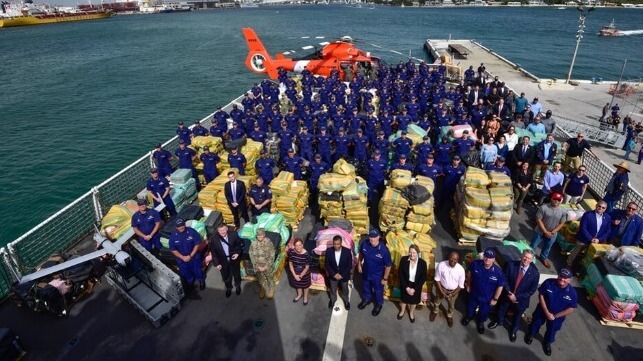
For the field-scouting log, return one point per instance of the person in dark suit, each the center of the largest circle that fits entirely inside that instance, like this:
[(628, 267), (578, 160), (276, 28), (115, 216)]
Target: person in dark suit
[(226, 248), (474, 95), (235, 194), (522, 281), (522, 153), (590, 232), (627, 226), (412, 270), (339, 263)]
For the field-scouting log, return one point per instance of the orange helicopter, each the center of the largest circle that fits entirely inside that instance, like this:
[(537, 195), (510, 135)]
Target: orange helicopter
[(339, 55)]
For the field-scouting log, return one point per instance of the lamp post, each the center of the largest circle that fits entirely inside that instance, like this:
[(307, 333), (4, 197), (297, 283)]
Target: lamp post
[(579, 36)]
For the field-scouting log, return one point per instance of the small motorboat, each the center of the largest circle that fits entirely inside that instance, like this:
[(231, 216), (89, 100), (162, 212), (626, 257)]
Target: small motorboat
[(609, 30)]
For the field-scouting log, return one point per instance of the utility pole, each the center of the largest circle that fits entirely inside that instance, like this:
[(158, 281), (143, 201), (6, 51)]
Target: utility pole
[(579, 36)]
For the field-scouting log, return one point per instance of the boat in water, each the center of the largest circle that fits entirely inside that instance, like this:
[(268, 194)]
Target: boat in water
[(609, 30), (31, 14)]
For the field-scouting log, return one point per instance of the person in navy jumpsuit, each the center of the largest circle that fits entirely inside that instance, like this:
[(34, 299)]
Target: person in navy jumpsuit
[(184, 133), (146, 224), (292, 163), (236, 132), (160, 189), (209, 161), (423, 149), (402, 164), (374, 263), (237, 160), (257, 134), (557, 299), (484, 284), (163, 158), (317, 168), (198, 130), (323, 144), (381, 143), (260, 197), (376, 176), (305, 143), (403, 145), (443, 152), (286, 137), (341, 144), (452, 174), (186, 156), (361, 146), (265, 166), (184, 244)]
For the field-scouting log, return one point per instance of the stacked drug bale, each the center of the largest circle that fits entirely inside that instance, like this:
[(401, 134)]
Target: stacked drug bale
[(392, 208), (483, 205), (289, 197), (331, 187), (184, 189), (398, 243), (420, 217), (354, 197)]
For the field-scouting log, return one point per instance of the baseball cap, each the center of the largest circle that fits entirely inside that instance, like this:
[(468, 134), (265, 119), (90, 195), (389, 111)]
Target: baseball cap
[(180, 123), (501, 158), (377, 152), (404, 132), (206, 148), (158, 145), (425, 137), (181, 141), (456, 157), (489, 253), (359, 130), (154, 170), (322, 128), (263, 151), (290, 150), (374, 233), (318, 156), (565, 273), (557, 196), (141, 202), (431, 156), (179, 222), (402, 156), (197, 122)]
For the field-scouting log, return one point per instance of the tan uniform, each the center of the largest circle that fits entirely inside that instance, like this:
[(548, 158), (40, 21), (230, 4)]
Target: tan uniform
[(263, 254)]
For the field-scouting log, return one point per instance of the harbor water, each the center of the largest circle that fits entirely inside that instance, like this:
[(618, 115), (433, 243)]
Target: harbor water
[(80, 101)]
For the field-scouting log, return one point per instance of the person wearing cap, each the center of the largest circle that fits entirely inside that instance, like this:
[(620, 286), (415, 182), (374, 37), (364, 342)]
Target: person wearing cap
[(449, 280), (556, 300), (402, 145), (574, 149), (402, 164), (403, 119), (374, 263), (257, 134), (159, 188), (186, 158), (429, 169), (452, 174), (627, 226), (162, 159), (617, 185), (488, 153), (443, 152), (237, 160), (484, 284), (305, 144), (286, 137), (146, 224), (209, 161), (377, 168), (265, 167), (550, 218), (339, 264), (522, 281), (323, 141), (293, 163), (317, 168), (184, 133), (198, 130), (235, 194), (184, 244), (236, 132), (262, 256), (341, 142), (546, 151), (381, 143), (423, 149), (260, 197), (360, 142), (220, 116), (499, 166), (226, 248)]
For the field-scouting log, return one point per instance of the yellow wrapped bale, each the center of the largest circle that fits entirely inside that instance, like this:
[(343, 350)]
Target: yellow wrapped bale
[(401, 178), (499, 179), (426, 243), (344, 168), (208, 197), (476, 177), (501, 198), (425, 209), (389, 222), (426, 182), (393, 197), (477, 197), (418, 227), (491, 223), (332, 182), (116, 222)]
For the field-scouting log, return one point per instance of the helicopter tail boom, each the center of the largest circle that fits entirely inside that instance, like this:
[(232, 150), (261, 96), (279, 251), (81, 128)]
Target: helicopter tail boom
[(258, 59)]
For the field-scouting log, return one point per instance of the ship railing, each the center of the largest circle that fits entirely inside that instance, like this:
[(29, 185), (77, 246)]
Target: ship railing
[(76, 221)]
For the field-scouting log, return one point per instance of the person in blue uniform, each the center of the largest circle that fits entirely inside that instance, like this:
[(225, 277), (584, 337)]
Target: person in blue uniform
[(184, 133), (198, 130), (305, 143), (186, 156), (260, 197), (160, 189), (402, 164), (237, 160), (360, 152), (423, 149), (617, 185), (286, 137), (557, 299), (265, 167), (341, 142), (146, 224), (236, 132), (374, 263), (162, 158), (484, 285), (381, 143), (209, 161), (443, 152), (184, 243), (377, 168), (429, 168), (317, 168), (402, 145), (324, 141), (452, 174), (499, 166), (522, 281), (257, 134), (292, 163), (403, 119), (463, 144)]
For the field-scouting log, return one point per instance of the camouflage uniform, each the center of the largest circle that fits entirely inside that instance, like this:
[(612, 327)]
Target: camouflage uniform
[(262, 253)]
